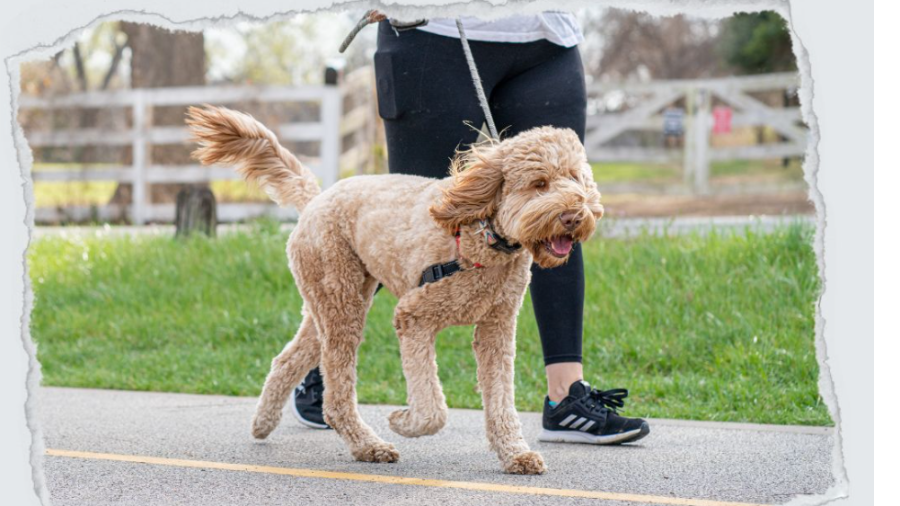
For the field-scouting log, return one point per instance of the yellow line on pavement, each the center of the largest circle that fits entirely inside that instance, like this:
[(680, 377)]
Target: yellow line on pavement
[(393, 480)]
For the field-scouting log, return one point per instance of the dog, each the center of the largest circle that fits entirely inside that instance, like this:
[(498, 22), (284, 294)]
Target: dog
[(456, 251)]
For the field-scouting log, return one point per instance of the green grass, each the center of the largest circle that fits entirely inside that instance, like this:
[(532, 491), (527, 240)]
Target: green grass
[(771, 169), (606, 173), (714, 328), (617, 172), (98, 193)]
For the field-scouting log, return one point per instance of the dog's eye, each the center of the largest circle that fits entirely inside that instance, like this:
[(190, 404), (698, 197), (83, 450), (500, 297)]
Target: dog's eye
[(540, 183)]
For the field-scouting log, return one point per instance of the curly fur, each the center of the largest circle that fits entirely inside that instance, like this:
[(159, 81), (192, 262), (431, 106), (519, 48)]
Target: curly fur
[(388, 228)]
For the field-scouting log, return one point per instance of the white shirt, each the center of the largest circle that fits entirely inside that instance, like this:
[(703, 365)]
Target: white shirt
[(560, 28)]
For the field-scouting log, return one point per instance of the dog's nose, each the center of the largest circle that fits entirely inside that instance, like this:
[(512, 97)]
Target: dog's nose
[(570, 220)]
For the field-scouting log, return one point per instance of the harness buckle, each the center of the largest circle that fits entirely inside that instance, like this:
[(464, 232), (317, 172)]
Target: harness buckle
[(433, 273)]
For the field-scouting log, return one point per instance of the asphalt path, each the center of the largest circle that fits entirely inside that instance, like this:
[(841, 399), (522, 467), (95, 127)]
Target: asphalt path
[(117, 447)]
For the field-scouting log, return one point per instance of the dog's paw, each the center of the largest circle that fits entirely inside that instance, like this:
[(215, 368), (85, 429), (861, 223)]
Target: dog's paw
[(525, 463), (264, 425), (378, 452), (407, 424)]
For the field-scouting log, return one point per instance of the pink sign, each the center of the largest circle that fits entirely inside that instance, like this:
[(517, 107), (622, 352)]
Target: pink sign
[(721, 120)]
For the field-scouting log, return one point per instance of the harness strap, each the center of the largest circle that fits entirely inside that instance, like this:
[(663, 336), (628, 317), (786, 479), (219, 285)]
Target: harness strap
[(438, 272)]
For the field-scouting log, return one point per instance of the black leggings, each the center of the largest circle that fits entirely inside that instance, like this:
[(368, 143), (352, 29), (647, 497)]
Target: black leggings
[(428, 103)]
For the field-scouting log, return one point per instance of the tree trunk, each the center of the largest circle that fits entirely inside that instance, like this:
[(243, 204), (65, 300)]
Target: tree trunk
[(195, 211), (162, 58)]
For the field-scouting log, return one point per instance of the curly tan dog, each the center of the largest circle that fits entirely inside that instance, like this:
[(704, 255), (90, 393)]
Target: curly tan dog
[(535, 190)]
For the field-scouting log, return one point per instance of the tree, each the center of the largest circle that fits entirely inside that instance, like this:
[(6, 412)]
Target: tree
[(639, 45), (287, 52), (94, 62), (757, 43), (163, 58)]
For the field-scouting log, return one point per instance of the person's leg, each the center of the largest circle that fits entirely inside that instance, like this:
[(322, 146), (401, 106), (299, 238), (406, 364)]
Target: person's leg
[(551, 92), (549, 89)]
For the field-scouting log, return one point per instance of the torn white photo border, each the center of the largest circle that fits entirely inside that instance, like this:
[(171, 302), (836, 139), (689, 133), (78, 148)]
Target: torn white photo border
[(831, 70)]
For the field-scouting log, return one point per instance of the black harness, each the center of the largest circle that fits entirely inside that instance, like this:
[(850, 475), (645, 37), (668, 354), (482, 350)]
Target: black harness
[(438, 272)]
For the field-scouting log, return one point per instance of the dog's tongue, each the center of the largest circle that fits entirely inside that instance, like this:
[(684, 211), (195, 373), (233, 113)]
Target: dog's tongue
[(561, 245)]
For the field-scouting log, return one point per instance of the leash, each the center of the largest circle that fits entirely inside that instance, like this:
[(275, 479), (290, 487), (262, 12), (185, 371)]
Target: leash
[(476, 80), (374, 16), (368, 18)]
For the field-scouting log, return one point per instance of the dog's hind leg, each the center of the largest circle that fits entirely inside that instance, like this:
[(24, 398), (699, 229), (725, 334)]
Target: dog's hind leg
[(427, 412), (288, 368)]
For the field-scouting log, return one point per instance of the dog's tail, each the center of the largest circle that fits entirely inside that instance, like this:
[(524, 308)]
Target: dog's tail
[(232, 137)]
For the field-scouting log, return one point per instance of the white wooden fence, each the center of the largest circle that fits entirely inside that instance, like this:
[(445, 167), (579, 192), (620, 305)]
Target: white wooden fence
[(358, 123), (333, 124), (649, 99)]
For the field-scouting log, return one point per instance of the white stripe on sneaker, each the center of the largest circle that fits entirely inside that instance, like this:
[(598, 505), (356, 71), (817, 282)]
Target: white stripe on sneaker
[(567, 420), (578, 423), (587, 426), (575, 436)]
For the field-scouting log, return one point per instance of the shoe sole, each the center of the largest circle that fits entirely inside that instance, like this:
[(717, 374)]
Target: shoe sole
[(574, 436), (304, 421)]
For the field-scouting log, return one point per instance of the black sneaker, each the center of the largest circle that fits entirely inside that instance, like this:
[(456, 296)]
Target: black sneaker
[(308, 401), (588, 415)]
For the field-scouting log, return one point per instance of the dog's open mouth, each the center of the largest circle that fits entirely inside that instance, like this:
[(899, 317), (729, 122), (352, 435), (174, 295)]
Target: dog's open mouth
[(559, 246)]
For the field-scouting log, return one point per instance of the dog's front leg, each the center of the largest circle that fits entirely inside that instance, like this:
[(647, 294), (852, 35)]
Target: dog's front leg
[(427, 412), (495, 352)]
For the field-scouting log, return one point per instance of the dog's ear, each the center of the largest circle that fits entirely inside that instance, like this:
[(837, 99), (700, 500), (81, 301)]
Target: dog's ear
[(475, 190)]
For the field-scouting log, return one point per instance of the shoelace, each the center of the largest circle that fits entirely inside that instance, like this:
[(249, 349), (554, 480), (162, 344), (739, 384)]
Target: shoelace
[(612, 399)]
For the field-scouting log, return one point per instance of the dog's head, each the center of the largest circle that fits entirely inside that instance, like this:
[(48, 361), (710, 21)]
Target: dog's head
[(536, 187)]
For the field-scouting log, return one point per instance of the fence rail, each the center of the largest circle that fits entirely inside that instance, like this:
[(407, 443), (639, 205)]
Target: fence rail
[(347, 129), (697, 96), (333, 124)]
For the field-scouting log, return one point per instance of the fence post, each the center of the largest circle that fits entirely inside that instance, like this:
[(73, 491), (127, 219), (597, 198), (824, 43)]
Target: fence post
[(330, 148), (689, 133), (702, 127), (140, 155)]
